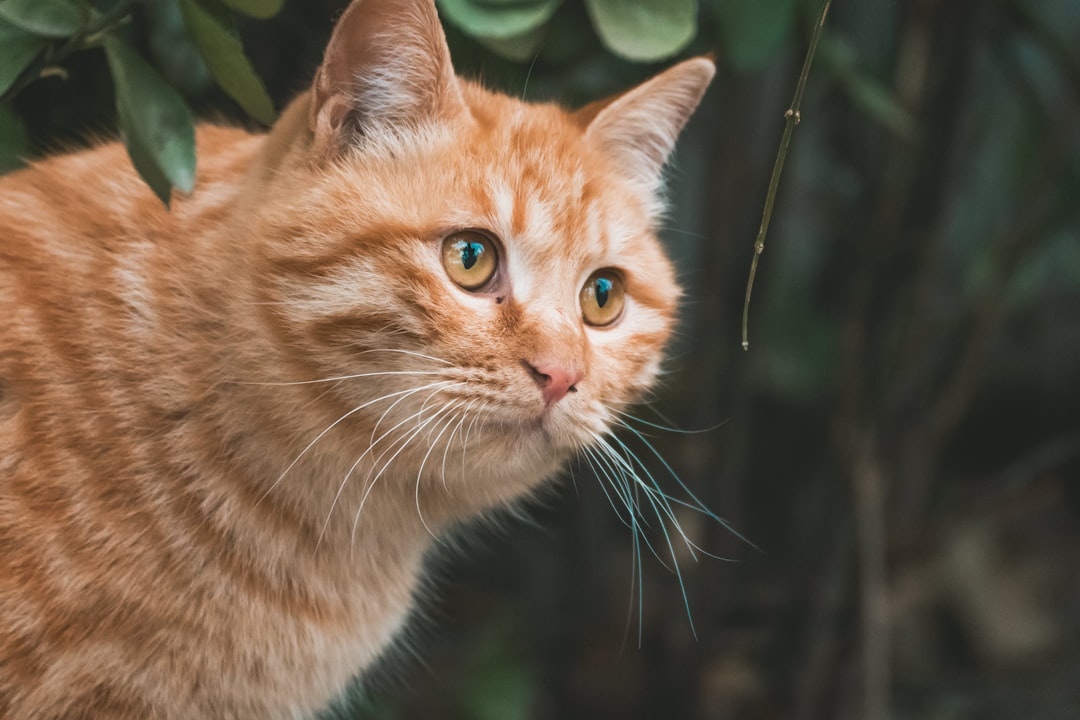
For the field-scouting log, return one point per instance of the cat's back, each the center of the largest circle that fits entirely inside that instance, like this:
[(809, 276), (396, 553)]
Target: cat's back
[(62, 213), (83, 239), (98, 279), (62, 222), (101, 380)]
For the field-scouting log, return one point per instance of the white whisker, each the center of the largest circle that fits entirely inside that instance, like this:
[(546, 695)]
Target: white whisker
[(335, 424), (390, 409), (636, 534), (423, 462), (339, 378), (404, 442), (465, 442), (353, 467), (450, 439), (698, 505), (666, 428), (409, 352)]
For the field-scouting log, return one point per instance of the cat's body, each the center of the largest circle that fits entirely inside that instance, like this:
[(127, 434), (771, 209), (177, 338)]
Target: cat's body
[(229, 431)]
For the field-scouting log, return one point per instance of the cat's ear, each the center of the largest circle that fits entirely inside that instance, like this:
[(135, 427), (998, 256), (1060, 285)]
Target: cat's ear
[(386, 68), (638, 128)]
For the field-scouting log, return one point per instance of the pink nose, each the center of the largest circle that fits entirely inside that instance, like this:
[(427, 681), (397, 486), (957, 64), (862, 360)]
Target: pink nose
[(554, 379)]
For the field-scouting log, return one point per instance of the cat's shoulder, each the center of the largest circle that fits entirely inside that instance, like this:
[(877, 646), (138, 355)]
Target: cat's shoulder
[(104, 168)]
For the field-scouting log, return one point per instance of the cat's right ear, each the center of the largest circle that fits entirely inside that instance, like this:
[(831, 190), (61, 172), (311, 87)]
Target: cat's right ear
[(638, 128), (387, 69)]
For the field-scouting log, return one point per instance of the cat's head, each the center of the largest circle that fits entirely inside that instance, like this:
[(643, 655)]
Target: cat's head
[(487, 269)]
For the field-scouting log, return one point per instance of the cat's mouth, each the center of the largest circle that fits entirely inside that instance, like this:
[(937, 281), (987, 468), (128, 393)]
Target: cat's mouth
[(554, 426), (564, 428)]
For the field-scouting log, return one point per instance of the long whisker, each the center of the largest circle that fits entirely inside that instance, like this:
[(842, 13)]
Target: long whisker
[(635, 532), (408, 352), (649, 497), (340, 378), (605, 471), (423, 462), (450, 439), (352, 468), (390, 409), (628, 485), (465, 442), (699, 505), (334, 424), (418, 416), (666, 428), (666, 500), (661, 507), (404, 442), (653, 491)]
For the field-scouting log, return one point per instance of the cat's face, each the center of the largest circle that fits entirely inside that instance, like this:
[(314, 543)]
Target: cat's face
[(484, 272)]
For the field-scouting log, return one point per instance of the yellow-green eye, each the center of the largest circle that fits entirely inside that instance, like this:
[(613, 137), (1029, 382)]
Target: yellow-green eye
[(602, 298), (469, 258)]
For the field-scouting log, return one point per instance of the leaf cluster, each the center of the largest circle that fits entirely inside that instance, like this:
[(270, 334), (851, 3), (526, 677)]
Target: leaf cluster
[(37, 36), (636, 30), (152, 70)]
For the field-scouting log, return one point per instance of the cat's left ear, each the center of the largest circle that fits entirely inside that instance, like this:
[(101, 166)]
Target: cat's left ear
[(386, 68), (638, 129)]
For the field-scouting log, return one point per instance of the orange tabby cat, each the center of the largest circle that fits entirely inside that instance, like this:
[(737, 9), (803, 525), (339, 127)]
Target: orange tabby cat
[(229, 432)]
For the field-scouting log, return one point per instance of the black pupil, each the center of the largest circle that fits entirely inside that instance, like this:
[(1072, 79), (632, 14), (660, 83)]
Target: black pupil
[(603, 286), (470, 253)]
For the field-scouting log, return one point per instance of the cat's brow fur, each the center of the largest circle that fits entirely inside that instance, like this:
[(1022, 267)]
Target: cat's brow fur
[(229, 429)]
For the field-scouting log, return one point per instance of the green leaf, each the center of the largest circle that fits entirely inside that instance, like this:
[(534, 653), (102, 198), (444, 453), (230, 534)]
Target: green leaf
[(519, 48), (47, 18), (14, 140), (498, 19), (496, 3), (17, 50), (644, 30), (499, 684), (261, 9), (156, 123), (211, 28), (753, 30)]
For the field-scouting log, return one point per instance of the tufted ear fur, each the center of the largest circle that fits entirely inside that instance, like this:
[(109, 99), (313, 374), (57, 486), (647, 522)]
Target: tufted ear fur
[(387, 69), (638, 128)]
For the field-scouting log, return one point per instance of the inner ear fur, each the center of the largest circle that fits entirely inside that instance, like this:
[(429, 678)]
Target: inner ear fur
[(387, 68), (638, 128)]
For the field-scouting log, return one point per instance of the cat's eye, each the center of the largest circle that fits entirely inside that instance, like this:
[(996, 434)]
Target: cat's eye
[(602, 298), (470, 258)]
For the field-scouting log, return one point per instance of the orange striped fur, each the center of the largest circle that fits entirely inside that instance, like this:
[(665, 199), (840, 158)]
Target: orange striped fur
[(229, 431)]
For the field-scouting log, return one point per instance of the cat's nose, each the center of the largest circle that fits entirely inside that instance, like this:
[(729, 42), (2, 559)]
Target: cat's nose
[(555, 379)]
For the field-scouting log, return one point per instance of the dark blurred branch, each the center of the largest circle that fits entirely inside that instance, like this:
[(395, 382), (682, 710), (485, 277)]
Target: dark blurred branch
[(901, 344), (893, 280), (869, 489), (831, 584), (982, 323), (1043, 201)]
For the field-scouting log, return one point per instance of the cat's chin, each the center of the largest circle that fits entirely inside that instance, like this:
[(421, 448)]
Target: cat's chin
[(549, 434), (562, 430)]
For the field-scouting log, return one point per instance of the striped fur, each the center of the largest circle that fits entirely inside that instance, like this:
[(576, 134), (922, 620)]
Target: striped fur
[(229, 431)]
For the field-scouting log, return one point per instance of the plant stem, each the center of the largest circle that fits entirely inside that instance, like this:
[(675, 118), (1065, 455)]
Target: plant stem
[(791, 119), (98, 26)]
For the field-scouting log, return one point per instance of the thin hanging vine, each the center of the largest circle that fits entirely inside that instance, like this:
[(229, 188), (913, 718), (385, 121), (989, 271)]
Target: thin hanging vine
[(791, 119)]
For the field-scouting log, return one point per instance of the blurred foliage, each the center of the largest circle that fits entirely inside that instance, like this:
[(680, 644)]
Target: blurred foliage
[(902, 439), (38, 36)]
